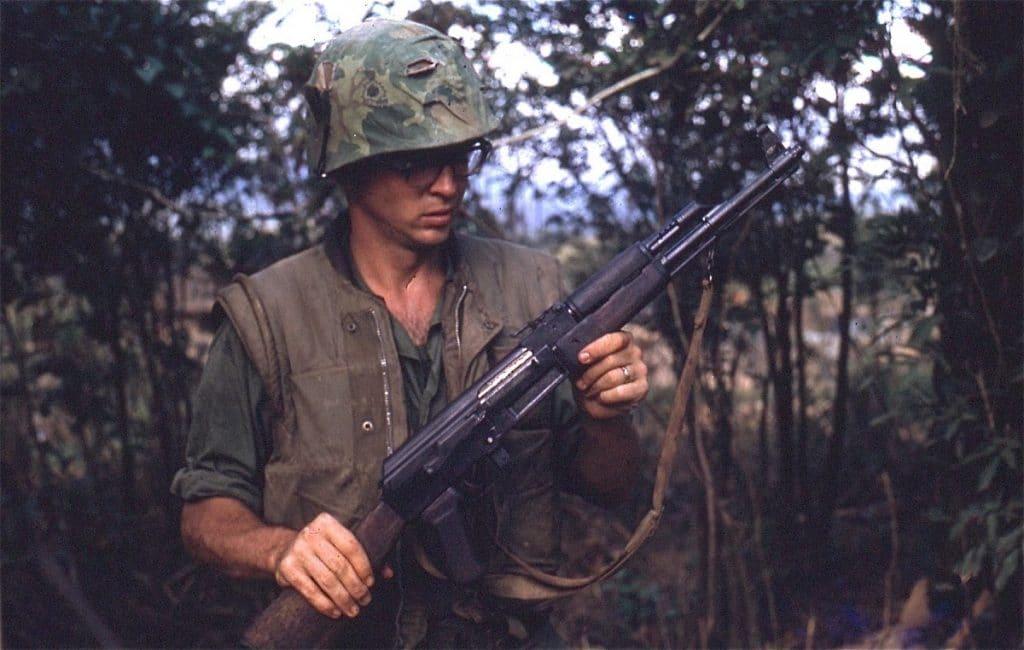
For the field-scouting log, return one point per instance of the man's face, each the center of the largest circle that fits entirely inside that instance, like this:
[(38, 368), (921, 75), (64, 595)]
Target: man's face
[(413, 199)]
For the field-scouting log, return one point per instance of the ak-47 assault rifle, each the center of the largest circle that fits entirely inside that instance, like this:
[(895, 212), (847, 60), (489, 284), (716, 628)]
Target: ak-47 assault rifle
[(422, 480)]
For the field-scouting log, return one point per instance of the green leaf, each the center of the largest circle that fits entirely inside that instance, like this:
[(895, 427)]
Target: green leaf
[(149, 69), (988, 474), (984, 248), (936, 515), (866, 382), (227, 135), (1009, 540), (176, 90), (951, 429), (992, 527), (883, 419), (971, 563), (1008, 568), (957, 529), (923, 330), (1009, 457)]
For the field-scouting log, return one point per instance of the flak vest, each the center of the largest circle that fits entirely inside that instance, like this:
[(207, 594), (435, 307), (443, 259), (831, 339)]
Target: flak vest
[(326, 354)]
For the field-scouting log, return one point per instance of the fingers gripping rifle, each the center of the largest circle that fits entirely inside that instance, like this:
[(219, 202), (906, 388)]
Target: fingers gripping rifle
[(422, 480)]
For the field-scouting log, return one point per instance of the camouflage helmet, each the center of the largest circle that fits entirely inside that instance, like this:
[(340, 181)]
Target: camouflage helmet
[(387, 86)]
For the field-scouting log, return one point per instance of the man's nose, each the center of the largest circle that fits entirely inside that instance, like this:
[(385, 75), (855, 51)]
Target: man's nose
[(447, 184)]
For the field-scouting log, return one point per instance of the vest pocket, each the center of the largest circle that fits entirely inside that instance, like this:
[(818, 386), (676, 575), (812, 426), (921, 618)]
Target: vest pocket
[(527, 503), (531, 452), (323, 418)]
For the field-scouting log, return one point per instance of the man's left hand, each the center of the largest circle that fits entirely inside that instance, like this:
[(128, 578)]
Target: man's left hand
[(615, 378)]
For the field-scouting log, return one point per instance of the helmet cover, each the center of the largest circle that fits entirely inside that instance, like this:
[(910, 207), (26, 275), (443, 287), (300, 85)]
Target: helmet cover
[(388, 86)]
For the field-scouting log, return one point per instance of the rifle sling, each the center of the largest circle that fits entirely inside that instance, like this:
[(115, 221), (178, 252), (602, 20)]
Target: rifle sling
[(539, 585)]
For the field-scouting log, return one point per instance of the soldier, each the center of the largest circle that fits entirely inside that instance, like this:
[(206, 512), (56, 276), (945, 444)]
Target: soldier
[(330, 359)]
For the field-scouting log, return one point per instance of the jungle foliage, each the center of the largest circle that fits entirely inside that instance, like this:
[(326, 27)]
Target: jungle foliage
[(859, 409)]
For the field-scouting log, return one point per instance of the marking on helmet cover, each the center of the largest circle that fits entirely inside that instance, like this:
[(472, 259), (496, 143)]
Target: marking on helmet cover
[(420, 67), (324, 75), (369, 90)]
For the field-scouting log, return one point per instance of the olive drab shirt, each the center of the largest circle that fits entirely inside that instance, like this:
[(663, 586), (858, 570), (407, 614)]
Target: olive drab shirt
[(326, 353)]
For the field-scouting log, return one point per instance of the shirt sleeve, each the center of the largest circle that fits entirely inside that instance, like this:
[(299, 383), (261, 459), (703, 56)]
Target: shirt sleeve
[(228, 442)]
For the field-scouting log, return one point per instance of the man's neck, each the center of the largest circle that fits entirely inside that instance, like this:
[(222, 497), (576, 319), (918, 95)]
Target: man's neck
[(396, 272)]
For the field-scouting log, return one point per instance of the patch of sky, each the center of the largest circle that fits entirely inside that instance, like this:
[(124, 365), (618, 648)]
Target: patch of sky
[(512, 61), (617, 30), (908, 46), (469, 39)]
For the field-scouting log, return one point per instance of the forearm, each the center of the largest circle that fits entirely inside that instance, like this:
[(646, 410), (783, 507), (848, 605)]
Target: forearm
[(607, 461), (225, 533)]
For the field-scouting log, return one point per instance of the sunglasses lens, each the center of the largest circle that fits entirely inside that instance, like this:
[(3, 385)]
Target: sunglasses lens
[(423, 175), (474, 161), (422, 172)]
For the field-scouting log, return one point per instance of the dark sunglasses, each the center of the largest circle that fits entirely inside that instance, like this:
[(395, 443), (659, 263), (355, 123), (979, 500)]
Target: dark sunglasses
[(422, 168)]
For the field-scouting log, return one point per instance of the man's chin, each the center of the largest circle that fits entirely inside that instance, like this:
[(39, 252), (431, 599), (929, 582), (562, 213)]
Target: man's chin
[(427, 238)]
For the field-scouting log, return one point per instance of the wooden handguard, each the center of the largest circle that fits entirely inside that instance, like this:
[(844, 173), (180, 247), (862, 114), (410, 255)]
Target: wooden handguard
[(291, 622)]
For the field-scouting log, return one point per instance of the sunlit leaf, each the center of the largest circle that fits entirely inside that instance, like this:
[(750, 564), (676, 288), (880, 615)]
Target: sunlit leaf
[(924, 330), (985, 248), (1008, 568), (150, 68)]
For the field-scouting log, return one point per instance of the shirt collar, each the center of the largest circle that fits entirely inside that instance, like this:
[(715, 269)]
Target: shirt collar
[(339, 252)]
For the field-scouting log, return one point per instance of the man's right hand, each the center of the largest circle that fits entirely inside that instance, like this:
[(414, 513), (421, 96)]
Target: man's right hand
[(328, 566)]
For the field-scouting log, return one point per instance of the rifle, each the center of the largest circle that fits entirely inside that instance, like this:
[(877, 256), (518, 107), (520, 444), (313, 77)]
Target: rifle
[(422, 479)]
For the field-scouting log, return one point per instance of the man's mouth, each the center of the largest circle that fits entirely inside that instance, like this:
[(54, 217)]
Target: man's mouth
[(439, 215)]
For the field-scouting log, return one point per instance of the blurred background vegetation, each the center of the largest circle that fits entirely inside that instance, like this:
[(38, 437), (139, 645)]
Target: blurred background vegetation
[(851, 472)]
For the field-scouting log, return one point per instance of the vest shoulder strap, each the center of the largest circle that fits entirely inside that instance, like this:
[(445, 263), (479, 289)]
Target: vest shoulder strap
[(241, 302)]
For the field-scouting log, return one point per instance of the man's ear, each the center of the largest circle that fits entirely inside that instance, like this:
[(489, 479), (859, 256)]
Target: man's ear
[(351, 179), (346, 180)]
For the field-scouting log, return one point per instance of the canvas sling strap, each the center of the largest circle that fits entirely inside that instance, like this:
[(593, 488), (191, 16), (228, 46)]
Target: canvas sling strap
[(535, 584)]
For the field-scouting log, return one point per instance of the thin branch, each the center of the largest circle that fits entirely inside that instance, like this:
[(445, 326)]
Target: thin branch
[(812, 627), (150, 191), (958, 212), (599, 97), (192, 213), (990, 418), (69, 590), (878, 154), (615, 88), (711, 503), (894, 540)]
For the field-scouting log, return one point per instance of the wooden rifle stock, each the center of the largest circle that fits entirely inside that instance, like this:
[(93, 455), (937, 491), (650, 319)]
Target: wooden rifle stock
[(291, 622)]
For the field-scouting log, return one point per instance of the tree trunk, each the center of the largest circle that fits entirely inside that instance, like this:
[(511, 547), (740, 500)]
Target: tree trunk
[(799, 291), (829, 485), (762, 433), (123, 422), (784, 396)]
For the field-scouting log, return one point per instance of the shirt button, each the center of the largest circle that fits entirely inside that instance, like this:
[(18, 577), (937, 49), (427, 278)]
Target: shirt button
[(367, 425), (490, 324), (350, 326)]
